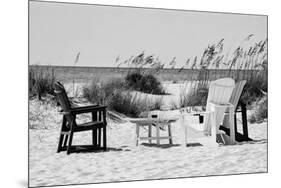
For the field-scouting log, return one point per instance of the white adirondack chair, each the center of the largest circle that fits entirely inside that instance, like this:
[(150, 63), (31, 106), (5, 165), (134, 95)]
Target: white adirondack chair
[(218, 100)]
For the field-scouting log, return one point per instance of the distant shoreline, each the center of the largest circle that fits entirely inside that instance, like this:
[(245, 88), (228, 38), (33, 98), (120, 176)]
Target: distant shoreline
[(127, 68), (87, 74)]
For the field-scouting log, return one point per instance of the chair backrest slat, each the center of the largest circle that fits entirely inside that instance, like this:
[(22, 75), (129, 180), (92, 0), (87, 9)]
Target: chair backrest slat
[(219, 93), (62, 97), (236, 94), (65, 104)]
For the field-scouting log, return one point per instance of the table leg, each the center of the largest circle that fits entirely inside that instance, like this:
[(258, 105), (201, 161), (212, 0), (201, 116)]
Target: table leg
[(170, 133), (185, 135), (137, 134), (149, 133), (157, 134)]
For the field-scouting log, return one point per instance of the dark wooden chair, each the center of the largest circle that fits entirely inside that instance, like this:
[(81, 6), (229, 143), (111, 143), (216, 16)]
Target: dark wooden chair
[(69, 125)]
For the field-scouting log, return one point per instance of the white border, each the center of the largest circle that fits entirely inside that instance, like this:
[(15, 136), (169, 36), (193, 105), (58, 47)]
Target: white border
[(13, 42)]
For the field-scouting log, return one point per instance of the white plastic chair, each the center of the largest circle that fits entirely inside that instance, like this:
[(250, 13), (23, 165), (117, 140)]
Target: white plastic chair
[(217, 102), (234, 99)]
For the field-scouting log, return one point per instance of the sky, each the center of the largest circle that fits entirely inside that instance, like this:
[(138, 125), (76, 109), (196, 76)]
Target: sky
[(59, 31)]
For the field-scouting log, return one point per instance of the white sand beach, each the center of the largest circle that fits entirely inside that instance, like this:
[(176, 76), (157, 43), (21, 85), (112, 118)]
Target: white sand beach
[(124, 161)]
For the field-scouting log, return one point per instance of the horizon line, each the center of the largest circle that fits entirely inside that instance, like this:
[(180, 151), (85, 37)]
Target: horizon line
[(73, 66)]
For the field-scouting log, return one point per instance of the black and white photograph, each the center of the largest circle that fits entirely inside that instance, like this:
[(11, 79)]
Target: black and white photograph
[(123, 93)]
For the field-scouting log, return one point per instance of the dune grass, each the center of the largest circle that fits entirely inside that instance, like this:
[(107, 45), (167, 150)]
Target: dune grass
[(41, 82), (237, 63)]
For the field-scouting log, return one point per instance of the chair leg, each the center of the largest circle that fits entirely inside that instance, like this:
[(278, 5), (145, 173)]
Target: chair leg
[(61, 135), (69, 142), (137, 134), (235, 123), (244, 121), (223, 141), (94, 132), (99, 137), (104, 138), (99, 129), (185, 134), (157, 134), (94, 137), (60, 143), (65, 140)]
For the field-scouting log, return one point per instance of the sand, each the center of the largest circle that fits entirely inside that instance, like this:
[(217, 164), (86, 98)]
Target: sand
[(124, 161), (171, 99)]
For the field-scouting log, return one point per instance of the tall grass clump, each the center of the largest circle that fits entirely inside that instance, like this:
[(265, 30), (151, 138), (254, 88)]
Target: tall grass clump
[(41, 81), (253, 58), (142, 74), (246, 62)]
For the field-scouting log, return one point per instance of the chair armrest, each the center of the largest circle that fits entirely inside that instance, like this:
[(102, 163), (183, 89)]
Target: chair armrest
[(197, 113), (87, 109), (208, 112), (84, 107)]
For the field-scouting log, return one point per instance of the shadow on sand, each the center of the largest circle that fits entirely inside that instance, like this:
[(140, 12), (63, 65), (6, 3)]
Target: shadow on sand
[(163, 146), (260, 141), (91, 149), (193, 144)]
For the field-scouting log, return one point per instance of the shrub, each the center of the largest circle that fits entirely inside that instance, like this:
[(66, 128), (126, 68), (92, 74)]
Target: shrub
[(150, 84), (260, 111), (41, 82), (146, 83), (133, 80)]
